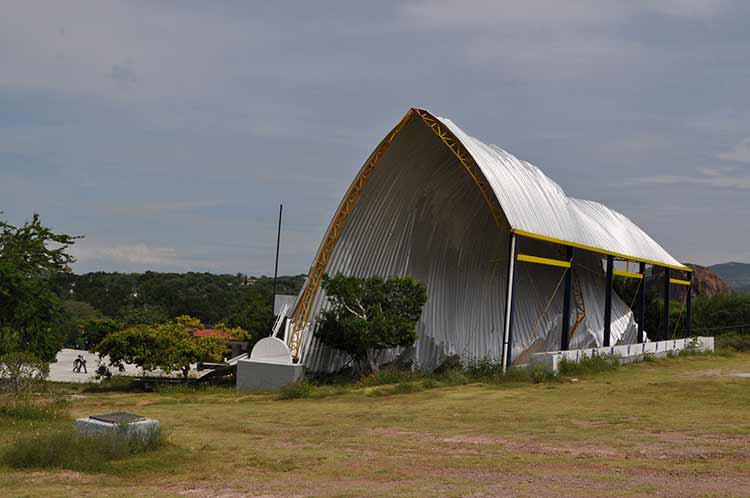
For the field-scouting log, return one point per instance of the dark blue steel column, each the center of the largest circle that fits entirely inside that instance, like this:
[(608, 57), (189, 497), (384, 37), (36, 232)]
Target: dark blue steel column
[(608, 301), (665, 328), (642, 303), (564, 337)]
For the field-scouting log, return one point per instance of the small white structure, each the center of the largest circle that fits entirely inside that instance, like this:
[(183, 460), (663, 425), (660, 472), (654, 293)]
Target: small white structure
[(123, 423), (626, 353), (270, 366)]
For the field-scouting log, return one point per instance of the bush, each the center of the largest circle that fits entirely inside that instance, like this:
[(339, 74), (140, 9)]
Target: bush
[(296, 391), (28, 411), (485, 371), (387, 376), (70, 450), (20, 372), (733, 342), (593, 364)]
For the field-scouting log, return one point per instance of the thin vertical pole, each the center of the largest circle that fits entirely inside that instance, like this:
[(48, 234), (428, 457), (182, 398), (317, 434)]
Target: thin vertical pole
[(507, 332), (642, 304), (665, 328), (608, 301), (689, 305), (276, 267), (566, 301)]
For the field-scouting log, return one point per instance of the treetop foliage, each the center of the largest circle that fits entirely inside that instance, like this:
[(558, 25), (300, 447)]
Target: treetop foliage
[(168, 347), (31, 257)]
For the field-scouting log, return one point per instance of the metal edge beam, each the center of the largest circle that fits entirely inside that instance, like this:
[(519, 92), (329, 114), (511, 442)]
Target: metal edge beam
[(627, 274), (554, 240), (679, 281), (543, 261)]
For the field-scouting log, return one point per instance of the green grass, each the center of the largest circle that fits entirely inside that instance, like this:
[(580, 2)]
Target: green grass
[(66, 449), (296, 391), (615, 432), (26, 411)]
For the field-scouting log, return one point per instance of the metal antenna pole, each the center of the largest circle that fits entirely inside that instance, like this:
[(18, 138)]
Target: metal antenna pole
[(276, 267)]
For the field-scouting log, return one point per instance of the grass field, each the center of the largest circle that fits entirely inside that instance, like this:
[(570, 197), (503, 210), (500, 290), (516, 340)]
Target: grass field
[(671, 427)]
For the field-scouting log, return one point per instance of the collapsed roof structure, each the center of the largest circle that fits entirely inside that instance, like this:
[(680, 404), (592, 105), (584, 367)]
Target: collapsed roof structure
[(512, 265)]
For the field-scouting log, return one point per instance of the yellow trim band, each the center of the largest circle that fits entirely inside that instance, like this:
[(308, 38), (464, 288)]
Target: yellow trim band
[(678, 281), (546, 238), (627, 274), (543, 261)]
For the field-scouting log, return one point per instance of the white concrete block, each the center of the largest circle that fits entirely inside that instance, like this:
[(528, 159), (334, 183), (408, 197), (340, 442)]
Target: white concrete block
[(259, 375), (627, 353), (140, 428)]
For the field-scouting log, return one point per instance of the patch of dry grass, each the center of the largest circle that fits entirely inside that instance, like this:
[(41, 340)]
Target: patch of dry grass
[(658, 427)]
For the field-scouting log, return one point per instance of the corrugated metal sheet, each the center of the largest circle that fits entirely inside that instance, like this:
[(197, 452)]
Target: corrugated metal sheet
[(421, 214)]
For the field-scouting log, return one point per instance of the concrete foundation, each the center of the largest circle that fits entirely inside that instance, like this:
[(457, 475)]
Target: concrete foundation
[(627, 353), (253, 375), (141, 428)]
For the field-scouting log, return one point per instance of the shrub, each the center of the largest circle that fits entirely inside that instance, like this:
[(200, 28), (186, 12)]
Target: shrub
[(69, 450), (593, 364), (296, 391), (387, 376), (455, 377), (538, 373), (27, 411), (733, 342), (485, 370), (20, 371)]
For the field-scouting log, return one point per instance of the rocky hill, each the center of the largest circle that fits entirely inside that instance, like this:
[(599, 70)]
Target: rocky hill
[(737, 275), (706, 283)]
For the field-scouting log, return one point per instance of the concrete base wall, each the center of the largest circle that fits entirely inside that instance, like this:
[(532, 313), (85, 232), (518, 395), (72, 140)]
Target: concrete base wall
[(255, 375), (141, 428), (627, 353)]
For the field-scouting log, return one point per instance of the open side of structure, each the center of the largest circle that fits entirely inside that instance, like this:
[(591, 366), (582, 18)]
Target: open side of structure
[(512, 265)]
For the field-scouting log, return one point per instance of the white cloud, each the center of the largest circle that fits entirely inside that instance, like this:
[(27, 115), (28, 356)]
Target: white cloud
[(739, 153), (125, 255), (709, 177)]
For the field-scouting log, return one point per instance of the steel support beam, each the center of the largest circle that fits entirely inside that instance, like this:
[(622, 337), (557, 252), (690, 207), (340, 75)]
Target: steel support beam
[(642, 304), (565, 333), (665, 316), (608, 301), (508, 329)]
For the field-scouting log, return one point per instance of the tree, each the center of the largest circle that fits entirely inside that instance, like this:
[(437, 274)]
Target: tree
[(251, 311), (365, 316), (169, 346), (145, 314), (31, 257)]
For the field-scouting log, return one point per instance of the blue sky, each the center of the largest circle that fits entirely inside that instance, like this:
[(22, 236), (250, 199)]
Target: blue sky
[(168, 132)]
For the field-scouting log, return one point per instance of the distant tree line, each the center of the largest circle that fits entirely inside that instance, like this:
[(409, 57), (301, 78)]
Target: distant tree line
[(715, 315), (100, 302)]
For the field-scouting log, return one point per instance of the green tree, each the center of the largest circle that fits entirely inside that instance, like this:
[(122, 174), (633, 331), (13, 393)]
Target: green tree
[(251, 311), (365, 316), (31, 257), (145, 314), (169, 346)]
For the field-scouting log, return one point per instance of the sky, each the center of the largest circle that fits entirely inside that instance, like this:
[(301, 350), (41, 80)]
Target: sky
[(168, 132)]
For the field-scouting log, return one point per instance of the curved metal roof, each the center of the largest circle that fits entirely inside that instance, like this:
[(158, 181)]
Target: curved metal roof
[(537, 207)]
